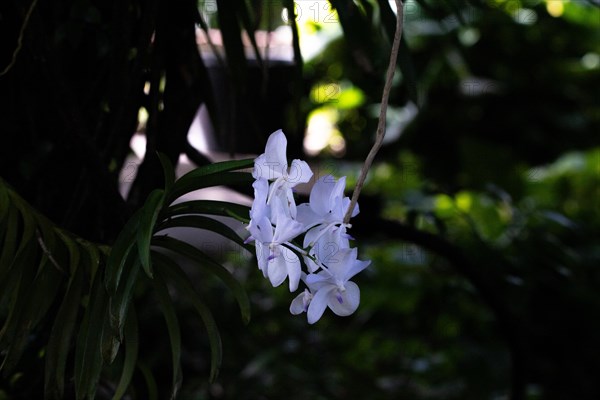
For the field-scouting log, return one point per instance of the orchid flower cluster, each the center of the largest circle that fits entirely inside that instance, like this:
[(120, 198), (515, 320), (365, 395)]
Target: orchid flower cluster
[(276, 220)]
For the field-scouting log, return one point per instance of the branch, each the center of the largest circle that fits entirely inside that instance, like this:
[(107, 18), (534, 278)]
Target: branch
[(20, 39), (382, 113)]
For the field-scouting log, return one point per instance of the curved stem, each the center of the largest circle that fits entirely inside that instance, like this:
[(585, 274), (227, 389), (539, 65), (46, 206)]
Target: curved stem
[(19, 39), (382, 113)]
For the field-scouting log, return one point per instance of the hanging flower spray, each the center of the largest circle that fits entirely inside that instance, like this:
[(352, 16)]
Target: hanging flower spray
[(276, 220)]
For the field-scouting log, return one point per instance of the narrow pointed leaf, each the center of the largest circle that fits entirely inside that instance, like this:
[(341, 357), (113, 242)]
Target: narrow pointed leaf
[(210, 207), (4, 200), (59, 342), (168, 171), (209, 176), (120, 302), (206, 223), (118, 254), (15, 288), (88, 351), (10, 244), (38, 298), (212, 266), (73, 248), (150, 381), (148, 219), (172, 270), (166, 306), (131, 354)]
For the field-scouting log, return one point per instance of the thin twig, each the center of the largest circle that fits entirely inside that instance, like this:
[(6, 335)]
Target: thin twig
[(382, 113), (47, 251), (20, 39)]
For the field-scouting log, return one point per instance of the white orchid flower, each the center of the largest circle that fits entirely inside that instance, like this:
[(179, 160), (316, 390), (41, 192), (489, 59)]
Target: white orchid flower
[(272, 165), (275, 260), (331, 288)]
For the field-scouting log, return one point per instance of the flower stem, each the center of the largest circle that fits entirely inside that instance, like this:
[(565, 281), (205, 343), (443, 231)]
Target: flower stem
[(382, 113)]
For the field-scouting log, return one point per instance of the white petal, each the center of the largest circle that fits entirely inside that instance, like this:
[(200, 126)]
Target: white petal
[(328, 247), (262, 256), (312, 235), (318, 304), (346, 203), (277, 270), (357, 267), (299, 173), (275, 151), (306, 216), (293, 267), (350, 299), (259, 205), (267, 169), (261, 229), (342, 262), (286, 229), (320, 195), (299, 304), (310, 264)]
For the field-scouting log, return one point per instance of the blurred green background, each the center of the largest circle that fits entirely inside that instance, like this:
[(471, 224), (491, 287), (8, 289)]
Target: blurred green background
[(481, 214)]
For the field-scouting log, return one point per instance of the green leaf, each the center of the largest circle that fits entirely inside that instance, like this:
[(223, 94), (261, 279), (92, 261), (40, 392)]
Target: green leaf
[(29, 225), (73, 248), (168, 171), (166, 306), (16, 288), (211, 175), (206, 223), (148, 219), (9, 245), (118, 253), (59, 342), (119, 303), (131, 354), (88, 350), (4, 200), (38, 298), (172, 270), (214, 267), (211, 207), (150, 381)]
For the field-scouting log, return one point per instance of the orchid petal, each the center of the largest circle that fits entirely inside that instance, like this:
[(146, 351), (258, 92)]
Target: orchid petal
[(319, 304), (350, 300), (306, 216), (300, 303), (320, 195), (299, 173), (293, 267), (277, 270)]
